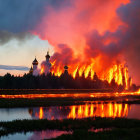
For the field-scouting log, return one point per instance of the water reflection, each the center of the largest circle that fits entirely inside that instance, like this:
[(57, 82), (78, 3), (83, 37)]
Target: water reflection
[(94, 109), (37, 135), (48, 134), (99, 110), (81, 111), (50, 113), (9, 114)]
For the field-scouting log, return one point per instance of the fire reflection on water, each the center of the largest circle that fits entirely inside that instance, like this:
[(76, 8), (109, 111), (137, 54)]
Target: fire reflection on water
[(82, 111), (99, 110), (41, 113)]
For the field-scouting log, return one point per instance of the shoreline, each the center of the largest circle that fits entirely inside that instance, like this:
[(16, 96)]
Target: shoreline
[(46, 102)]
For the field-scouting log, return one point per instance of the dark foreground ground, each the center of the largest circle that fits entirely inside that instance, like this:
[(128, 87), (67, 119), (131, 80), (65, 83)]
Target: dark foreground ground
[(52, 91), (118, 128)]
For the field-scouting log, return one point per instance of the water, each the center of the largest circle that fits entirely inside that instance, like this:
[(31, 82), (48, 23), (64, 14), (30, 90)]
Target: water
[(14, 113), (95, 109), (17, 136), (37, 135)]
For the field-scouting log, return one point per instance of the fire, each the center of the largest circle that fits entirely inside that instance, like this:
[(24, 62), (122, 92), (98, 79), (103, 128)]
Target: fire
[(42, 70), (138, 92), (118, 72), (72, 95), (86, 47)]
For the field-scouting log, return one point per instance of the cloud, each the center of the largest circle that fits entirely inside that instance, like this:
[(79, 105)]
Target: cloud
[(6, 36), (21, 16), (20, 68)]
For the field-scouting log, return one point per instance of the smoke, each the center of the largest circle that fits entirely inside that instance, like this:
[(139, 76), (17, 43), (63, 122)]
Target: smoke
[(46, 66), (84, 31), (64, 56), (123, 44), (107, 31), (130, 41)]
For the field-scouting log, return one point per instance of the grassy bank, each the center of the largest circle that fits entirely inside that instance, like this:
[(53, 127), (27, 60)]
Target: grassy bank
[(115, 134), (44, 102), (119, 126)]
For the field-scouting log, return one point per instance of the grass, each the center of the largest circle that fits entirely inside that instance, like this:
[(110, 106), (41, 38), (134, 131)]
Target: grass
[(119, 124), (44, 102)]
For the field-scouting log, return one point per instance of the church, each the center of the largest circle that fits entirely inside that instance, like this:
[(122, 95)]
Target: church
[(45, 65)]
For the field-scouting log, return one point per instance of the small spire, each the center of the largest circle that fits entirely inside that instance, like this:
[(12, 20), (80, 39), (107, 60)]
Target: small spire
[(66, 67), (31, 68), (47, 56)]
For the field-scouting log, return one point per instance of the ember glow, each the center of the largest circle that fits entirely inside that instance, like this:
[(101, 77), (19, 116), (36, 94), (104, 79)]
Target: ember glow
[(72, 95)]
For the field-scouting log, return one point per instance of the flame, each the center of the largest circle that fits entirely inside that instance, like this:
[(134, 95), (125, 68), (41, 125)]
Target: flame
[(138, 92), (42, 70), (75, 71)]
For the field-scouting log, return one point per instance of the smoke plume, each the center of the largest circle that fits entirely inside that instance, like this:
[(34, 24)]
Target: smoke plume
[(106, 31), (101, 32)]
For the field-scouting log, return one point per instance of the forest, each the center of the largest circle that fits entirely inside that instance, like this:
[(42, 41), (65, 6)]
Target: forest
[(50, 81)]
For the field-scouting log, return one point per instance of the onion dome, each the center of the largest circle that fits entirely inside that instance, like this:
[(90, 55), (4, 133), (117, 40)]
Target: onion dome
[(47, 56), (66, 67), (35, 62)]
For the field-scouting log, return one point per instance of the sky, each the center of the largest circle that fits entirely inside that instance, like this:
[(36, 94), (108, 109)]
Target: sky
[(74, 31)]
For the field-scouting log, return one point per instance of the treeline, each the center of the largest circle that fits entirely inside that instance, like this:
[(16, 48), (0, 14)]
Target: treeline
[(65, 81)]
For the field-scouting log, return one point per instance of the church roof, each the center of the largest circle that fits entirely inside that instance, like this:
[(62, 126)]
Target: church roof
[(35, 62)]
